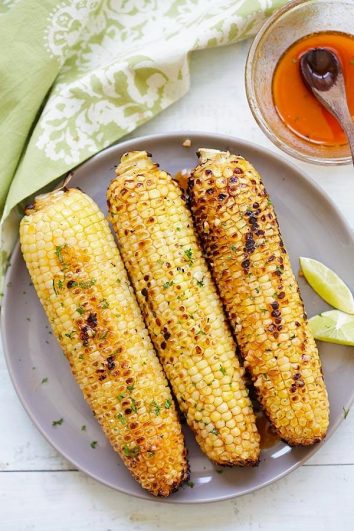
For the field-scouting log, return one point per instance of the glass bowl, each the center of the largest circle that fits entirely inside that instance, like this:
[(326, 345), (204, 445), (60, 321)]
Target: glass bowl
[(287, 25)]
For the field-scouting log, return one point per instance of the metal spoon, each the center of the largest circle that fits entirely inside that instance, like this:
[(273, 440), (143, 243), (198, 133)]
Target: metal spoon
[(322, 72)]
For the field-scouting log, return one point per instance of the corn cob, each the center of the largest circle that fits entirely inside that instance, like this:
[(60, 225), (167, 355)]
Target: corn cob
[(239, 231), (182, 310), (82, 284)]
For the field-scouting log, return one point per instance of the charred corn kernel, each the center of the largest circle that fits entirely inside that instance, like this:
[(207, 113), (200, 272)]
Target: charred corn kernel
[(95, 317), (188, 328), (253, 273)]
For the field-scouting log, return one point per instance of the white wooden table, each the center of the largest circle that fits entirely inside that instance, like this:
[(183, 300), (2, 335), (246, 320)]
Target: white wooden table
[(41, 490)]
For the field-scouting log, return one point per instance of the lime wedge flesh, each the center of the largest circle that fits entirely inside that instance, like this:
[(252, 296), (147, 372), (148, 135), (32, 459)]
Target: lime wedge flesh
[(333, 327), (327, 284)]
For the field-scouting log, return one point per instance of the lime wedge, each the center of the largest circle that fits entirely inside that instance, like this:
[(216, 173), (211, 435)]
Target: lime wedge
[(327, 284), (333, 327)]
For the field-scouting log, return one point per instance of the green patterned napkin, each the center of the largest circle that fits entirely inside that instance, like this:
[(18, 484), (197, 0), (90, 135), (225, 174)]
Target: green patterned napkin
[(77, 75)]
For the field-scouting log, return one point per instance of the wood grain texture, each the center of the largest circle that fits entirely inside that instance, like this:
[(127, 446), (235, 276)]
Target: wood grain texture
[(70, 500), (317, 496)]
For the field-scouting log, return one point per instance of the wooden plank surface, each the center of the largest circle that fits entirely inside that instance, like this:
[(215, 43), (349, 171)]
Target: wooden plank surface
[(317, 498), (38, 489)]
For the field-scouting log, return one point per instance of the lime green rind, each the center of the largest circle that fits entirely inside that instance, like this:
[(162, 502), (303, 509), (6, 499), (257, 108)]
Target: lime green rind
[(333, 326), (327, 284)]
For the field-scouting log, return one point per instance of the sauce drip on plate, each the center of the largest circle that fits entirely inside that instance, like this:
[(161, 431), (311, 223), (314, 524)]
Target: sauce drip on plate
[(268, 437), (295, 103), (182, 178)]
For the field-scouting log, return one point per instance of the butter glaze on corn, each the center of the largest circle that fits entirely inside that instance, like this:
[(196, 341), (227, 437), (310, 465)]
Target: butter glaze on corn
[(182, 309), (80, 279), (239, 231)]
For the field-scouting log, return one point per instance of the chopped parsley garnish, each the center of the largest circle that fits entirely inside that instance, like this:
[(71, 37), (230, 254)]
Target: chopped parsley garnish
[(130, 387), (58, 422), (104, 304), (190, 484), (201, 333), (345, 412), (189, 255), (54, 288), (222, 370), (215, 431), (80, 310), (200, 283), (104, 335), (83, 427), (269, 202), (156, 407), (293, 336), (133, 405), (168, 284), (122, 419), (121, 396), (131, 452), (87, 284), (44, 380), (257, 290), (58, 252), (93, 444), (233, 248), (178, 228), (70, 335), (60, 284), (167, 403)]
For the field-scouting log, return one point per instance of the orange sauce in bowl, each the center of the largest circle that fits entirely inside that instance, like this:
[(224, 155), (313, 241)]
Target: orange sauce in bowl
[(296, 105)]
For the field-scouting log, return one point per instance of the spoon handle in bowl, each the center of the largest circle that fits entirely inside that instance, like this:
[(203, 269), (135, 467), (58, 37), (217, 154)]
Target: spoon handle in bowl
[(335, 101)]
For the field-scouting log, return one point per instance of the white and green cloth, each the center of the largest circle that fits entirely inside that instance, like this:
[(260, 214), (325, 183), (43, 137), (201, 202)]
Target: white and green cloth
[(77, 75)]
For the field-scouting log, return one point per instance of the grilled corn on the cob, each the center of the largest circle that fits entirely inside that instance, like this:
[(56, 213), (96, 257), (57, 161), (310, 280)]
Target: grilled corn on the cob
[(81, 281), (238, 228), (182, 309)]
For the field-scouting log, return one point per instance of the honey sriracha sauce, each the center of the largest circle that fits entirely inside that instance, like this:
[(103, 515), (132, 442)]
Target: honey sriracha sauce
[(295, 103)]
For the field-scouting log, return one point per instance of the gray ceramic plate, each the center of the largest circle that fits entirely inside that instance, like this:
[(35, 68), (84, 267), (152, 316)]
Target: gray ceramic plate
[(311, 226)]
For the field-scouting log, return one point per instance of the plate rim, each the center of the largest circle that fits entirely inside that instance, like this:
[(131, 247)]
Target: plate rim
[(303, 176)]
